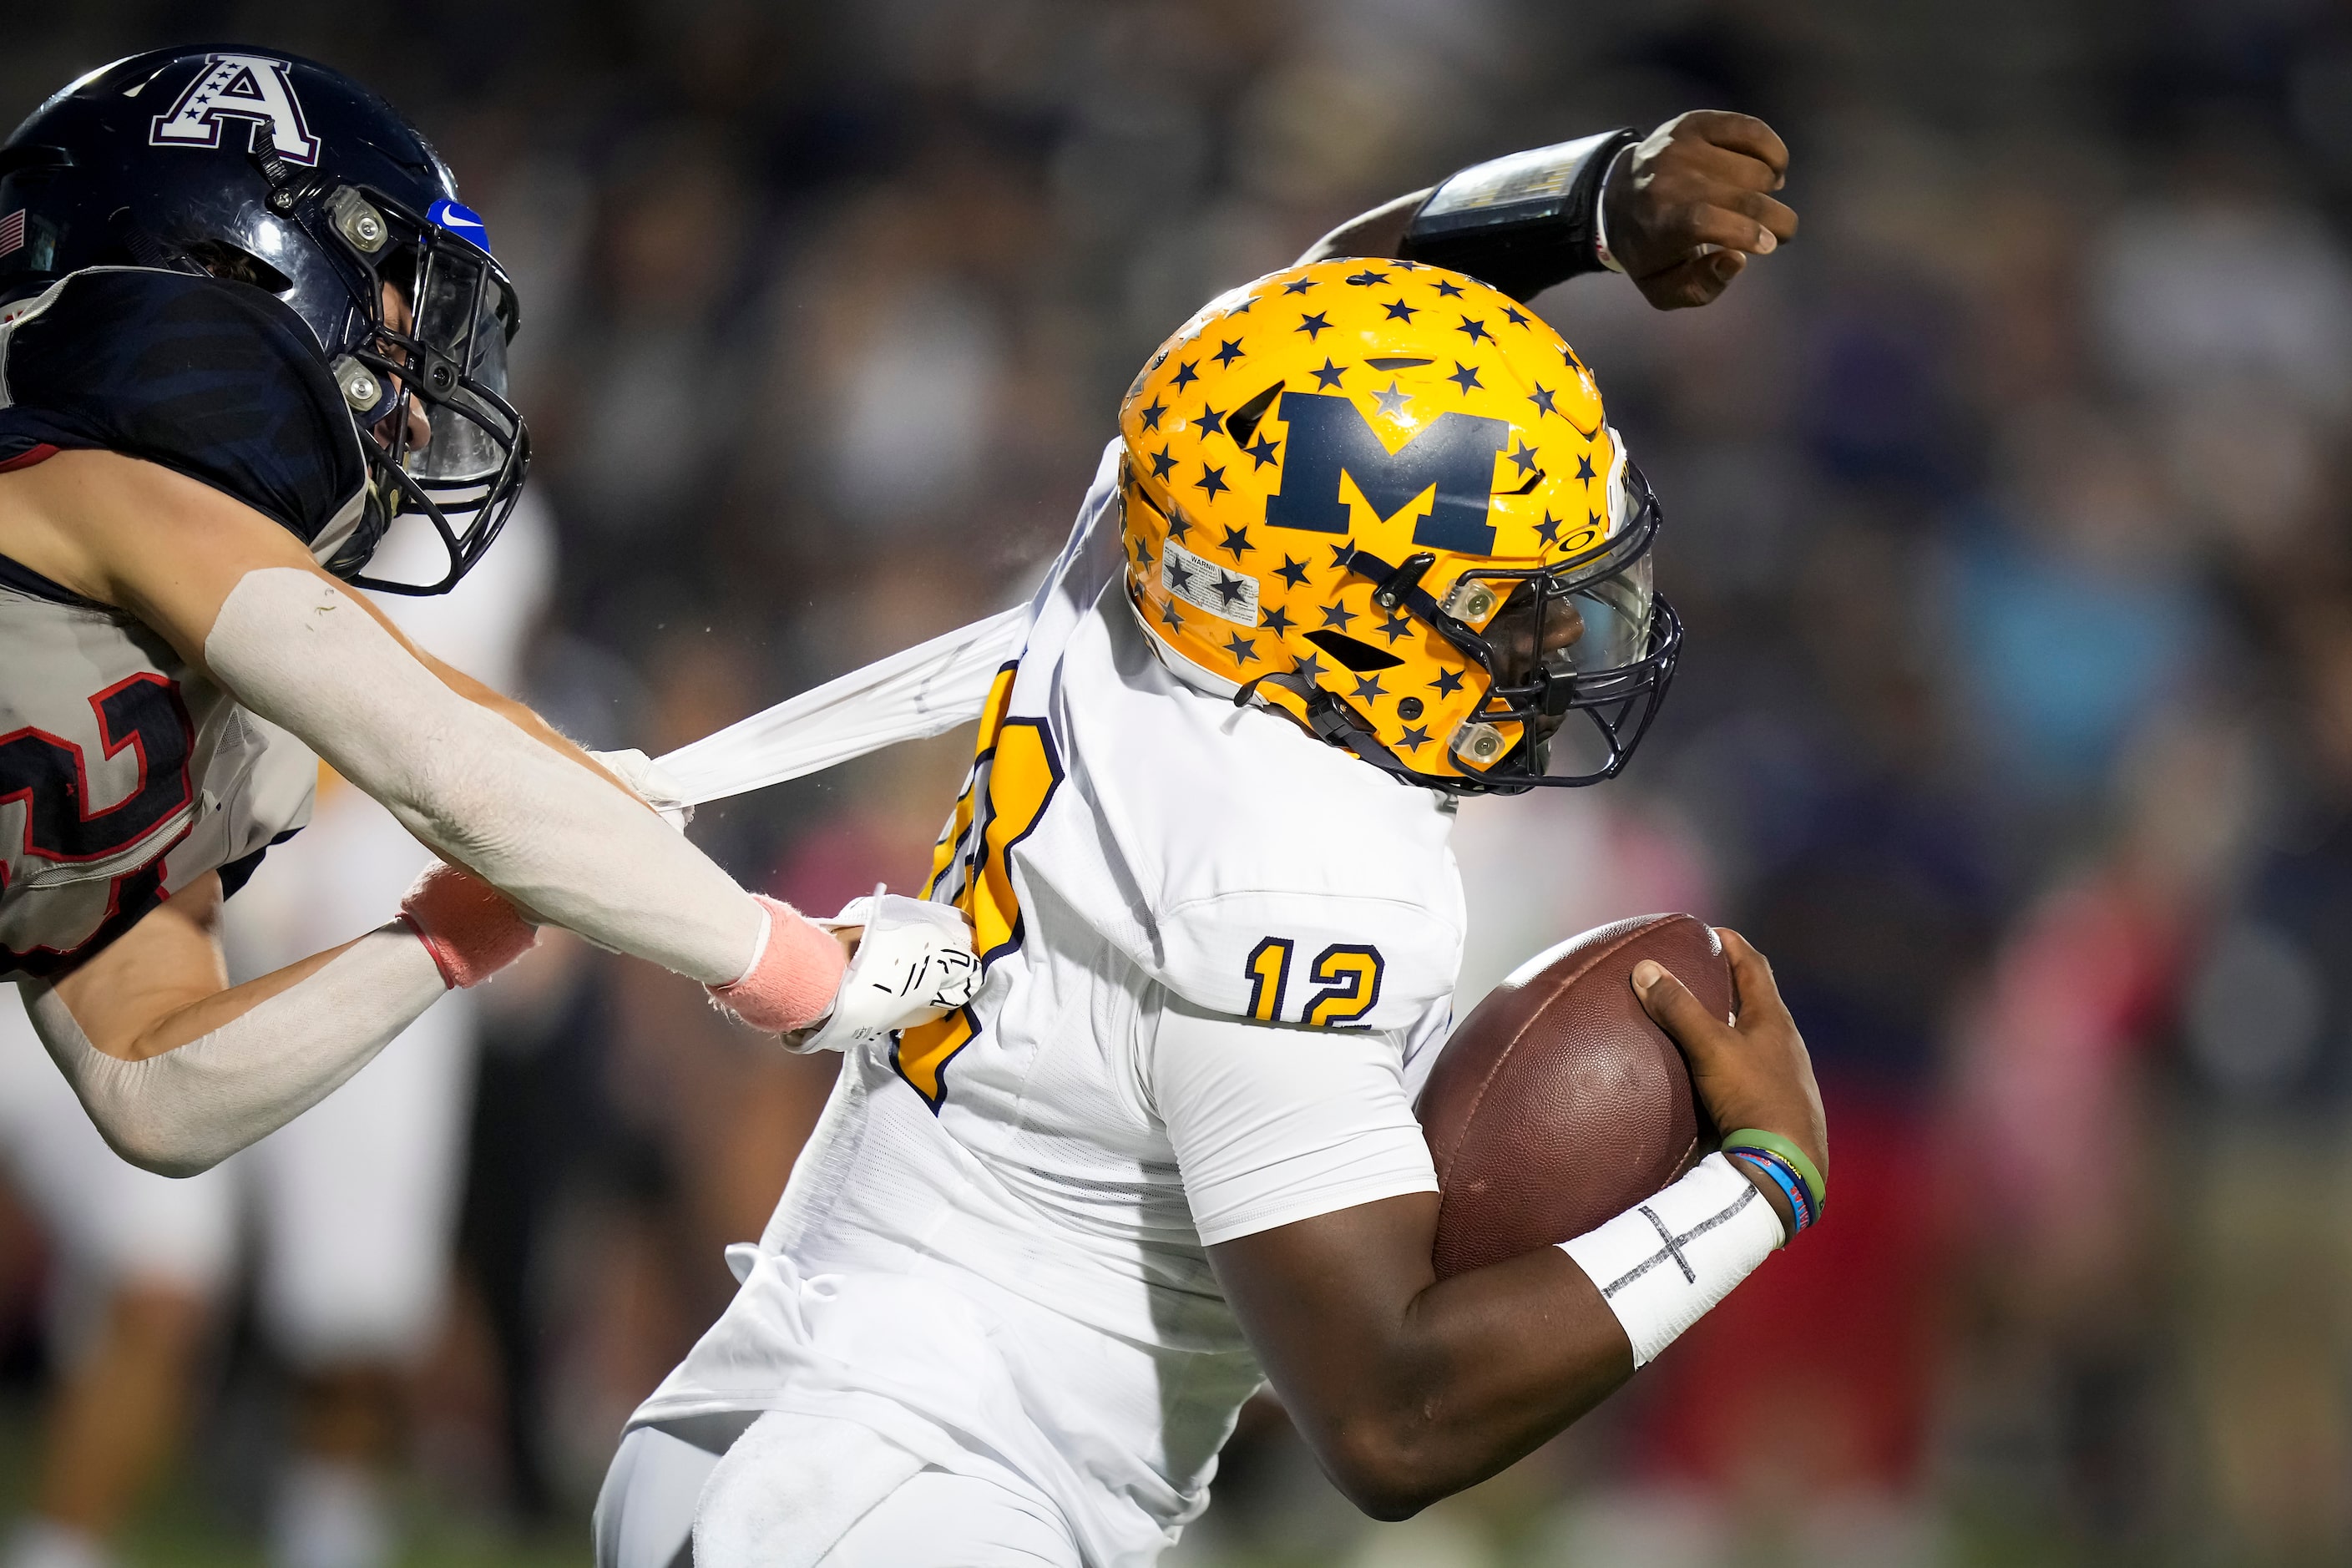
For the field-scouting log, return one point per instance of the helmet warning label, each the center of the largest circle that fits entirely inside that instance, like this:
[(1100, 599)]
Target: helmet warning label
[(1201, 582)]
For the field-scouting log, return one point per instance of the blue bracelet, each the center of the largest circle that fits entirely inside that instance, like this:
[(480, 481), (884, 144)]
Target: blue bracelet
[(1791, 1186)]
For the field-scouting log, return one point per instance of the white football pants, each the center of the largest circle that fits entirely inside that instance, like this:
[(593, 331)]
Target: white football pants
[(933, 1518)]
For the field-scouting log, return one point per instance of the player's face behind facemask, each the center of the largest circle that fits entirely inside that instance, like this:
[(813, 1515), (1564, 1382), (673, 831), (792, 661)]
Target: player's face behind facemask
[(1580, 654), (451, 449)]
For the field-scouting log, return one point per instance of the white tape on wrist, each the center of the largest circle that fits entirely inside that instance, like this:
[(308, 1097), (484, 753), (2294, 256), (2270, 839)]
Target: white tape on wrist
[(1662, 1264)]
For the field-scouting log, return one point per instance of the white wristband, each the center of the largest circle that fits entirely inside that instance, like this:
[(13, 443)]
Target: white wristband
[(1608, 257), (1661, 1265)]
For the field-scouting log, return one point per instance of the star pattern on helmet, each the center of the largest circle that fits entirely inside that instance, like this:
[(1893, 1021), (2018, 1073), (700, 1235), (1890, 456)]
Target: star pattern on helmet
[(1162, 464), (1542, 398), (1446, 286), (1341, 555), (1261, 451), (1337, 616), (1370, 690), (1292, 572), (1178, 525), (1328, 376), (1185, 376), (1398, 311), (1414, 738), (1584, 467), (1299, 285), (1230, 352), (1366, 278), (1180, 578), (1394, 627), (1549, 529), (1244, 308), (1475, 329), (1393, 399), (1236, 542), (1466, 378), (1524, 457), (1511, 314), (1242, 649), (1213, 480), (1308, 668), (1274, 618), (1592, 521), (1314, 326), (1142, 552), (1229, 589), (1447, 683), (1151, 414), (1212, 422), (1170, 618)]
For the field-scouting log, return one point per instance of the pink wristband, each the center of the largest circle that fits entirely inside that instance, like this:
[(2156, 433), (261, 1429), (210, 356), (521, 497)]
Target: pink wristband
[(792, 981), (466, 924)]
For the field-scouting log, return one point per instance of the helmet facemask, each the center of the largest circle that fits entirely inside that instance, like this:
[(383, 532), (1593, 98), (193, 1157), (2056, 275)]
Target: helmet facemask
[(444, 369), (1587, 637)]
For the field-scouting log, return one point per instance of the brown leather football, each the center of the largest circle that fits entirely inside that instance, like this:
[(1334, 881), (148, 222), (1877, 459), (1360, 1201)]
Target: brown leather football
[(1557, 1104)]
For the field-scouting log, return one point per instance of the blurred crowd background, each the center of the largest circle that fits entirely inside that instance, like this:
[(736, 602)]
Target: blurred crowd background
[(2007, 509)]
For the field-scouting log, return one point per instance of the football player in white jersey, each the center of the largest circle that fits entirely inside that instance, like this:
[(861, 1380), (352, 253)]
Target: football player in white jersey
[(1365, 545), (246, 329)]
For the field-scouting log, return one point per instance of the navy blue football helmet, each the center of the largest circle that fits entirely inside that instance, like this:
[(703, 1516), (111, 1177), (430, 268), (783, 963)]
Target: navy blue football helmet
[(259, 166)]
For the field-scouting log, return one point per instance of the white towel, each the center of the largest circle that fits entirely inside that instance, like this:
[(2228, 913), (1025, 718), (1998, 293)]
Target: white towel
[(926, 689)]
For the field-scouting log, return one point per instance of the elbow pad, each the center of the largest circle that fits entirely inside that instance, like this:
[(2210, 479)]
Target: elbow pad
[(1520, 222)]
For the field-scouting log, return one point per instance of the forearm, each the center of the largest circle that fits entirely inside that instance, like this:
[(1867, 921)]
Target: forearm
[(267, 1051), (1376, 232), (1483, 1369), (557, 839)]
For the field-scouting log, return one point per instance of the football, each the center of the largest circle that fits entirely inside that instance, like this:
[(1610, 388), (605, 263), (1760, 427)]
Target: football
[(1557, 1104)]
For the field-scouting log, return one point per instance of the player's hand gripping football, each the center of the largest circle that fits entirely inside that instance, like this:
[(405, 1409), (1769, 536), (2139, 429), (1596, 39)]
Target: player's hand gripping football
[(1752, 1072), (1690, 203)]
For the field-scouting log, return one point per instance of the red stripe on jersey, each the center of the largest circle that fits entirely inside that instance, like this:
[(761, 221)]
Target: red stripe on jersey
[(41, 453)]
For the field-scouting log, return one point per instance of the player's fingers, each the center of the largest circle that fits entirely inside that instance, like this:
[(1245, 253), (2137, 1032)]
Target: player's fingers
[(1675, 1009), (1694, 282), (1704, 223), (1755, 993), (1741, 133), (1777, 218)]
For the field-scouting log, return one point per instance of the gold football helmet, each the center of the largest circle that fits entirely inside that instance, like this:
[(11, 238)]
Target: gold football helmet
[(1381, 498)]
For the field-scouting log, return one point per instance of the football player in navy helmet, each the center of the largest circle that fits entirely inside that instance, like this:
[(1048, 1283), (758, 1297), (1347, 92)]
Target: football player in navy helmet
[(246, 327)]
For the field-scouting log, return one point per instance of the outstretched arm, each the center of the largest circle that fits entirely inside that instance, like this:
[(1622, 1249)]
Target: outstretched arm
[(1409, 1388), (1682, 210)]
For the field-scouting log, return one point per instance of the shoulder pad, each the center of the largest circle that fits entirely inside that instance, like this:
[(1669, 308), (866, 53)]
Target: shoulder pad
[(217, 380)]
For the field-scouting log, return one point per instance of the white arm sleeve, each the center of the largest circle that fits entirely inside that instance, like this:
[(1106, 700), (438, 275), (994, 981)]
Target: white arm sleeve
[(545, 831), (1273, 1124), (190, 1107)]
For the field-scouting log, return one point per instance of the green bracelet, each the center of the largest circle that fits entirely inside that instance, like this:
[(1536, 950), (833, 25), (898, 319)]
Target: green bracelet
[(1773, 1142)]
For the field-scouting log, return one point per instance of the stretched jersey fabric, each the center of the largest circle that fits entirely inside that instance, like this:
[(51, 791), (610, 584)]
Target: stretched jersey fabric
[(1212, 945), (123, 774)]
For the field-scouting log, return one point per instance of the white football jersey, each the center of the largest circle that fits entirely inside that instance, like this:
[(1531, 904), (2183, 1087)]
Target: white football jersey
[(993, 1250)]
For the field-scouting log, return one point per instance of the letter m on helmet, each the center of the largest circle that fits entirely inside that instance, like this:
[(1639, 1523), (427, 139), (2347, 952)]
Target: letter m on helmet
[(1330, 437)]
